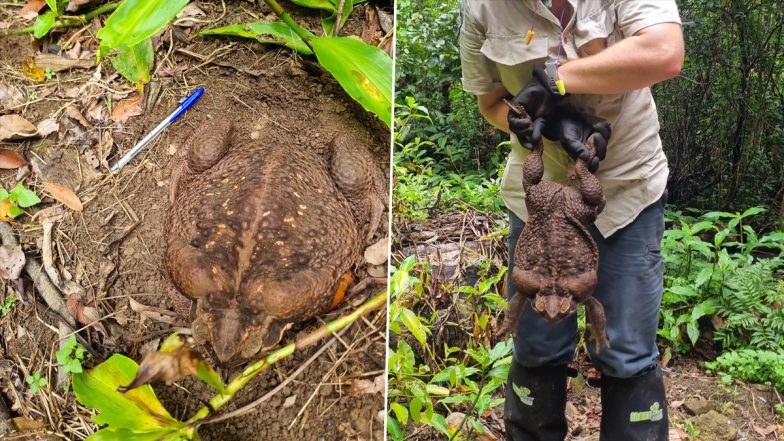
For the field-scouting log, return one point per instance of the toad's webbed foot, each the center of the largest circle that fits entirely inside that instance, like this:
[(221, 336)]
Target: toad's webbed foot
[(513, 312)]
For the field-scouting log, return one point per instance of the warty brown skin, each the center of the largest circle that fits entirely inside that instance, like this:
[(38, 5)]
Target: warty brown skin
[(260, 235), (556, 259)]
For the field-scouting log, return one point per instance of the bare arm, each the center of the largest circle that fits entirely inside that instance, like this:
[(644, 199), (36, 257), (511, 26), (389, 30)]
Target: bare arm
[(493, 108), (651, 55)]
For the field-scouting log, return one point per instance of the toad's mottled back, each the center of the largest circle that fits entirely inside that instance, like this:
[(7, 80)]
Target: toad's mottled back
[(556, 259), (260, 235)]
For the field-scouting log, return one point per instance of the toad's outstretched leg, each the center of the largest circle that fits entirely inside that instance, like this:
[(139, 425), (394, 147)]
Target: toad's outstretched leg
[(513, 312), (590, 187), (597, 323), (360, 180)]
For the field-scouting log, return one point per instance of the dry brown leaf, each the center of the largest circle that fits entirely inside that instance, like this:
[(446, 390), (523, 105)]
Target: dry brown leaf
[(128, 108), (75, 114), (166, 366), (378, 253), (12, 261), (97, 112), (10, 98), (84, 311), (57, 63), (186, 17), (13, 127), (155, 314), (4, 25), (32, 71), (47, 126), (64, 195), (30, 10), (10, 159)]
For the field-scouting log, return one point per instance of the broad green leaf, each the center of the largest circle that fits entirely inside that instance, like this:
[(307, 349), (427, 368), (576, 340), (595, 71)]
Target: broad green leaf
[(704, 275), (414, 325), (433, 389), (401, 413), (415, 410), (364, 72), (136, 20), (137, 409), (43, 24), (111, 434), (15, 211), (172, 343), (24, 197), (317, 4), (52, 5), (707, 307), (693, 332), (394, 429), (208, 375), (329, 23), (439, 422), (265, 32), (3, 194), (134, 63)]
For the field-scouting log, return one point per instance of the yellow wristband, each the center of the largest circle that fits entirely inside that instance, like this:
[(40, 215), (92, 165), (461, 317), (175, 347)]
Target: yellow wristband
[(561, 88)]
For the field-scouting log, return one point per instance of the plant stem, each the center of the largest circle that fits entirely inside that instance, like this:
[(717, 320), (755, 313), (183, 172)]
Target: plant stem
[(303, 33), (236, 384), (71, 21)]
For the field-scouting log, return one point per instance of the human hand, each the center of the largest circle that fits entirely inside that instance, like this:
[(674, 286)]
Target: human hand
[(571, 129), (539, 101)]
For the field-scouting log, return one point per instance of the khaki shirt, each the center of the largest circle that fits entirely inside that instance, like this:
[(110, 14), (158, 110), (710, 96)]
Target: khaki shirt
[(494, 54)]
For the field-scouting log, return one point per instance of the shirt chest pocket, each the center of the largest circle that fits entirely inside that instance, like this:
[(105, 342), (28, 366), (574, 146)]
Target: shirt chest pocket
[(513, 58), (596, 27)]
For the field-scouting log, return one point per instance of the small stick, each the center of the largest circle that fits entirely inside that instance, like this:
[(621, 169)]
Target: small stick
[(518, 110)]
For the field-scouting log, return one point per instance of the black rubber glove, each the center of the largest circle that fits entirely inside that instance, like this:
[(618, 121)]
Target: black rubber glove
[(538, 100), (571, 129)]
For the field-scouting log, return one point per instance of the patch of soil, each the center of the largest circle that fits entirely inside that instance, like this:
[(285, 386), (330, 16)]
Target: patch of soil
[(114, 248)]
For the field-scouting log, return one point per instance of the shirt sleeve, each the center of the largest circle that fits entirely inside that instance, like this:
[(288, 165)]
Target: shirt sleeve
[(480, 75), (634, 15)]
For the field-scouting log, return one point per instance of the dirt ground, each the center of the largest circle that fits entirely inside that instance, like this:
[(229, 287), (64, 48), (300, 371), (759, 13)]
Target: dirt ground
[(113, 249), (456, 244)]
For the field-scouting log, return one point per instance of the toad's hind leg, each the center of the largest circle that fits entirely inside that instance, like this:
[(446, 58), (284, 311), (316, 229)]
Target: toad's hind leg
[(203, 149), (360, 180), (597, 323), (590, 187)]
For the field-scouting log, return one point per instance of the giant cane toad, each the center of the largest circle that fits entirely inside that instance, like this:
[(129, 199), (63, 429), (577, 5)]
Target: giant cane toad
[(261, 235), (556, 259)]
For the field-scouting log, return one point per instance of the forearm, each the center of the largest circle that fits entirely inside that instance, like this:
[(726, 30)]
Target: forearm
[(494, 110), (650, 56)]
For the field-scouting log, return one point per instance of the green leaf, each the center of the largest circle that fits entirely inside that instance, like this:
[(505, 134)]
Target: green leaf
[(43, 24), (3, 194), (401, 413), (317, 4), (329, 23), (27, 198), (112, 434), (415, 410), (439, 422), (137, 409), (264, 32), (135, 21), (414, 325), (364, 72), (693, 332), (52, 5), (134, 63), (15, 211), (208, 375), (394, 429)]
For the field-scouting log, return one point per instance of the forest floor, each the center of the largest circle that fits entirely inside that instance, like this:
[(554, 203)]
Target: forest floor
[(110, 254), (455, 245)]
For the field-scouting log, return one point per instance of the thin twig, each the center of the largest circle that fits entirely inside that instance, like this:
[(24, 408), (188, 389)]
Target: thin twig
[(338, 18)]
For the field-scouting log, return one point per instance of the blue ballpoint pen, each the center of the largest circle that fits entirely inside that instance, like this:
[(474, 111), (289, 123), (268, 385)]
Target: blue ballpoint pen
[(186, 103)]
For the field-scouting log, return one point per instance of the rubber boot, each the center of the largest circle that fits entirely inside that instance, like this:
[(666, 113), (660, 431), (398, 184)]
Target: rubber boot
[(634, 409), (535, 403)]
